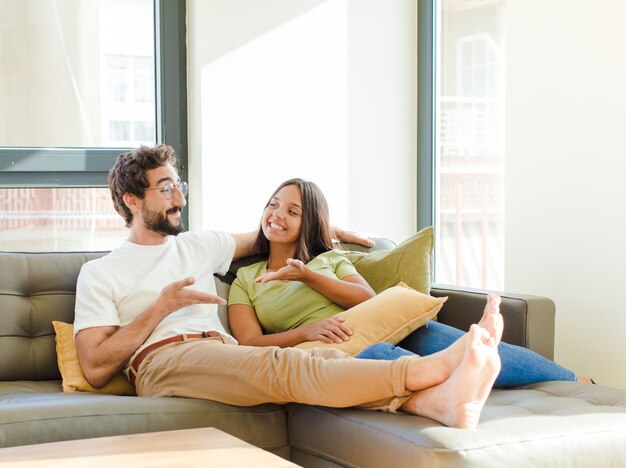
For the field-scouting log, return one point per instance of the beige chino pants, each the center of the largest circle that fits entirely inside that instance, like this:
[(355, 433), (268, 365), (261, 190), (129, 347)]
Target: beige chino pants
[(248, 375)]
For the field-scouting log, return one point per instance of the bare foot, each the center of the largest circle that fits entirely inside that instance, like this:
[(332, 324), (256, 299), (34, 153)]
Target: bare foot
[(492, 307), (427, 371), (492, 319), (458, 401), (494, 324), (588, 380), (437, 367), (434, 369)]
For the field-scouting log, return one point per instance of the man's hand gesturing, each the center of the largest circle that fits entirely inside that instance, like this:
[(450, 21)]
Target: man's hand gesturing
[(177, 295)]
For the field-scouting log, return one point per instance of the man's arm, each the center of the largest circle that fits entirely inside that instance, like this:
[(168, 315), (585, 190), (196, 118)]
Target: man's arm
[(104, 351), (243, 244), (353, 237), (243, 241)]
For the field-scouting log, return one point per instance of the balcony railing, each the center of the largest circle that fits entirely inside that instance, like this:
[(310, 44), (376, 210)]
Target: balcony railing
[(470, 201)]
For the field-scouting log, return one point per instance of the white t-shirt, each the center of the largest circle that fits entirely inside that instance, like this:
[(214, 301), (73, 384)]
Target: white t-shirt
[(115, 289)]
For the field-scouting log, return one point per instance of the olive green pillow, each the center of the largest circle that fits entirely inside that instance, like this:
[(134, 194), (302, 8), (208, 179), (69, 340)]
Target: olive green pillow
[(410, 262)]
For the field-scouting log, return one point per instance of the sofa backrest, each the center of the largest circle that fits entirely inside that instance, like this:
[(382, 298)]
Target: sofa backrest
[(39, 287), (35, 289)]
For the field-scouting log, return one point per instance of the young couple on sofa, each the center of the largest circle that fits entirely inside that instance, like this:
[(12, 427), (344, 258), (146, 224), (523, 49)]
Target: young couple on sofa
[(150, 308)]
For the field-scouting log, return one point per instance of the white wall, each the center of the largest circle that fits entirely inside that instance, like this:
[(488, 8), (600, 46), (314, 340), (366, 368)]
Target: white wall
[(323, 90), (565, 171), (382, 84)]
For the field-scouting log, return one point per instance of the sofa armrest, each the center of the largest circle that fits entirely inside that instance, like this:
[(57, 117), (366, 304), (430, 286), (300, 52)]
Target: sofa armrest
[(528, 320)]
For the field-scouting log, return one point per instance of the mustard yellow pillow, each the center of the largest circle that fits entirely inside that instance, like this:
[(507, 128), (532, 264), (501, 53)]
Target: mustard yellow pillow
[(73, 378), (410, 262), (390, 316)]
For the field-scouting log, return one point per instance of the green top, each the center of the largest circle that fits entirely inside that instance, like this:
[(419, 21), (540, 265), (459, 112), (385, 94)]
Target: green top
[(284, 305)]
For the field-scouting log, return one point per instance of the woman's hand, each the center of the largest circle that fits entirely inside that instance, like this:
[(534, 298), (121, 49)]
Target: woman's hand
[(294, 271), (330, 330)]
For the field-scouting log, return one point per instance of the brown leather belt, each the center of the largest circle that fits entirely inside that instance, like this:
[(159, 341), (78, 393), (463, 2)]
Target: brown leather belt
[(134, 366)]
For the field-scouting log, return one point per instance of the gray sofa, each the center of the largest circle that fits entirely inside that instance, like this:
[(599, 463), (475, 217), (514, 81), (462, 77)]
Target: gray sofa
[(548, 424)]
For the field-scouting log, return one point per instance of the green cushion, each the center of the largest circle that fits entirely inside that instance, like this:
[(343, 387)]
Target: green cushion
[(410, 262)]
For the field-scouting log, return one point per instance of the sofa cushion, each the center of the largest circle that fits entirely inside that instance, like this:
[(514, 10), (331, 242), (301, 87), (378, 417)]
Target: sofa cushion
[(35, 289), (546, 424), (38, 412), (390, 316), (410, 262)]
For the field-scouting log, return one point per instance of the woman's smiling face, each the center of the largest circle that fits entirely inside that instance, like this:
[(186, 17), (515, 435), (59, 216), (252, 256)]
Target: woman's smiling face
[(282, 217)]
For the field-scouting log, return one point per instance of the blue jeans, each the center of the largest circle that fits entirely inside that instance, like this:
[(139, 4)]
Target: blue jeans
[(520, 366)]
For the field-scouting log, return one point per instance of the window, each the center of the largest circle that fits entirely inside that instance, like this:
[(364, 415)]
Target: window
[(129, 80), (84, 84), (62, 56), (464, 112)]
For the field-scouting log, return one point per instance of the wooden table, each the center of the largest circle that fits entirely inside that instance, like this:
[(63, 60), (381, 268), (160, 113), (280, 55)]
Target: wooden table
[(189, 447)]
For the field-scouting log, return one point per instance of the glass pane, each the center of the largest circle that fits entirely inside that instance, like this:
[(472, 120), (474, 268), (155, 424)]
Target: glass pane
[(143, 93), (68, 219), (119, 130), (469, 217), (118, 87), (68, 69), (144, 130)]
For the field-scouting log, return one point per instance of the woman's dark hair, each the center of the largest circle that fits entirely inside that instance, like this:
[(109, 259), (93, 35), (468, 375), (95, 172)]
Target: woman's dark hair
[(315, 233), (128, 174)]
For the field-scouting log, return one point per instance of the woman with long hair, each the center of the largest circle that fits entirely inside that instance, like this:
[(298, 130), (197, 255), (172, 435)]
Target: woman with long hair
[(295, 295)]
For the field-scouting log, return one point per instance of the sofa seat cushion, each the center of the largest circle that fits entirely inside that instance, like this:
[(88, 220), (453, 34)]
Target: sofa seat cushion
[(37, 412), (547, 424), (29, 386)]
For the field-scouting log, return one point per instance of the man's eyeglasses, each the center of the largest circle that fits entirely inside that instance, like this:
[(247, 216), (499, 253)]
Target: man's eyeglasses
[(168, 189)]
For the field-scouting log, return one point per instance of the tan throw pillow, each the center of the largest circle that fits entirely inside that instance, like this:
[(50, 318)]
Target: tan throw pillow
[(71, 373), (410, 262), (390, 316)]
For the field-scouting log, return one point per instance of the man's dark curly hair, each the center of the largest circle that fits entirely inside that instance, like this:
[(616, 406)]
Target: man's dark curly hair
[(128, 174)]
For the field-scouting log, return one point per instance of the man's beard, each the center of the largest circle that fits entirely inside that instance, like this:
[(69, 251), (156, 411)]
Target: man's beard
[(160, 223)]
